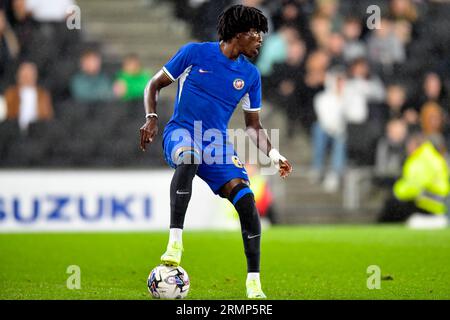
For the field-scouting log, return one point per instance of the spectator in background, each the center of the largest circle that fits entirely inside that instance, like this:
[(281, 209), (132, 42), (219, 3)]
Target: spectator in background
[(57, 42), (26, 101), (313, 82), (206, 11), (320, 26), (362, 136), (287, 78), (9, 48), (403, 31), (362, 80), (393, 106), (289, 12), (90, 84), (432, 90), (330, 10), (275, 49), (397, 107), (295, 13), (49, 11), (335, 49), (335, 108), (420, 194), (27, 31), (432, 119), (131, 80), (391, 153), (385, 49), (354, 47), (404, 11)]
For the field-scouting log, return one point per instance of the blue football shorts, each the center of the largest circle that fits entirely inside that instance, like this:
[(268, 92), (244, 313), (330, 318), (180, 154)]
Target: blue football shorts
[(218, 162)]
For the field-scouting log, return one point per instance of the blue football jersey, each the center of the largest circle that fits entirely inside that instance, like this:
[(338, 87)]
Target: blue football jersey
[(210, 86)]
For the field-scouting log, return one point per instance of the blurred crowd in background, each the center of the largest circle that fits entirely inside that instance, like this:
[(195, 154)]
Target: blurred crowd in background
[(59, 105), (354, 92)]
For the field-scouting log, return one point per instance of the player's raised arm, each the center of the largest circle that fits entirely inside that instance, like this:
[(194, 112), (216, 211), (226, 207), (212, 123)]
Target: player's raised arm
[(258, 135), (150, 129)]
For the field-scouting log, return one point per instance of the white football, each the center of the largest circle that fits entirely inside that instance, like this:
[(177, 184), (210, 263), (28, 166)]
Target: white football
[(166, 282)]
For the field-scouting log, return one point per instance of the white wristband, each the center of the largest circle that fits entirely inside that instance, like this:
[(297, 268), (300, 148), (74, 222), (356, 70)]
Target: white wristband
[(151, 115), (275, 156)]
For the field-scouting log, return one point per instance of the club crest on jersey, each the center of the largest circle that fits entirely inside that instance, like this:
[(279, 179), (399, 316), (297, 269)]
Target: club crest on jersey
[(237, 162), (238, 84)]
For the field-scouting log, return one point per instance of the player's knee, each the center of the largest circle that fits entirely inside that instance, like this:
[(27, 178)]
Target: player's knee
[(185, 171), (241, 192), (188, 156), (184, 174), (244, 201)]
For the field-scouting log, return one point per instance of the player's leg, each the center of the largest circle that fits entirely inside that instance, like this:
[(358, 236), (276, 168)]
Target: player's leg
[(230, 180), (239, 194), (186, 161)]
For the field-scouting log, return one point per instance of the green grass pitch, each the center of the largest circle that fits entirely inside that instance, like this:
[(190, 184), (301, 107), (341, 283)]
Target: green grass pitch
[(308, 262)]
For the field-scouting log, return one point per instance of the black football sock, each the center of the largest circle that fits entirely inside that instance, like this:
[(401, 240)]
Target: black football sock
[(244, 202), (180, 193)]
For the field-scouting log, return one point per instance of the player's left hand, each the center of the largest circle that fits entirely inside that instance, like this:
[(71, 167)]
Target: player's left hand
[(285, 168), (281, 163)]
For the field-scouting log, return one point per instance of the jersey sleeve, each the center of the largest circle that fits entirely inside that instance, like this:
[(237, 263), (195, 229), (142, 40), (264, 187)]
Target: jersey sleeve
[(252, 99), (180, 61)]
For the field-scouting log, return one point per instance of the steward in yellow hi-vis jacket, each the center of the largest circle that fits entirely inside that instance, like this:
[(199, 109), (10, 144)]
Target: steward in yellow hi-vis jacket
[(424, 180), (423, 186)]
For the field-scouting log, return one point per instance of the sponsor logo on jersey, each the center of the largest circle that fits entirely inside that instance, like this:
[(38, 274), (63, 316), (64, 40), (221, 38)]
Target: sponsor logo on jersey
[(237, 162), (238, 84)]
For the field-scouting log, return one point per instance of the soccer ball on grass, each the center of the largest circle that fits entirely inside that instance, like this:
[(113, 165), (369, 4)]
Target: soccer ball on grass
[(167, 282)]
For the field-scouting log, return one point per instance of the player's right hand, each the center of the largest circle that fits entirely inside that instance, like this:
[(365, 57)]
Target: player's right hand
[(148, 132)]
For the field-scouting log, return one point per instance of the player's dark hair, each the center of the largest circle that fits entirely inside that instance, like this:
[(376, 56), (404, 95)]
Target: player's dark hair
[(239, 18)]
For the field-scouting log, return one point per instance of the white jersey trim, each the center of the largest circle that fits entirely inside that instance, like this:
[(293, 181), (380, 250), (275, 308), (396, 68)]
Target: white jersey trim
[(252, 109), (246, 104), (168, 74), (182, 79)]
